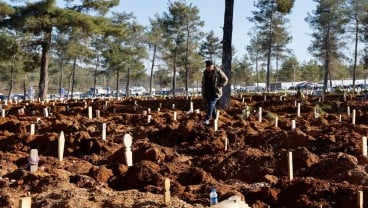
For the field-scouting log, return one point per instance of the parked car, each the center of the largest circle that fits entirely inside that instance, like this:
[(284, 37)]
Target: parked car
[(3, 97)]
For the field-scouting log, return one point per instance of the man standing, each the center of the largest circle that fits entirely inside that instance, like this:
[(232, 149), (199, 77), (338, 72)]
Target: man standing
[(213, 81)]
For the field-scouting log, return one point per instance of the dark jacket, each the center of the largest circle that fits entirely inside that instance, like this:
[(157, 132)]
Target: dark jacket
[(218, 80)]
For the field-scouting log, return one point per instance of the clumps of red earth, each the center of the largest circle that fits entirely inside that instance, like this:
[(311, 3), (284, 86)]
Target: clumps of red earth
[(328, 165)]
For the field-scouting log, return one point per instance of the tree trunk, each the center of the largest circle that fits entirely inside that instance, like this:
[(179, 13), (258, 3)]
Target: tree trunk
[(95, 78), (11, 78), (61, 80), (153, 64), (187, 61), (24, 86), (117, 82), (128, 83), (174, 77), (73, 75), (355, 49), (227, 52), (44, 75)]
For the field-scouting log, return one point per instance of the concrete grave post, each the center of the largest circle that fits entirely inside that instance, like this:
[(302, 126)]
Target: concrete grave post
[(260, 114), (293, 125), (348, 110), (340, 118), (290, 165), (61, 144), (226, 143), (174, 116), (276, 121), (173, 106), (353, 117), (45, 112), (149, 117), (364, 146), (25, 202), (191, 107), (32, 129), (127, 140), (167, 192), (103, 131), (298, 111), (3, 113), (97, 113), (215, 125), (89, 112), (33, 160), (360, 199)]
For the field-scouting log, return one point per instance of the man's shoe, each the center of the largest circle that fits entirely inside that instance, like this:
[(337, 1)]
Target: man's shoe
[(207, 122)]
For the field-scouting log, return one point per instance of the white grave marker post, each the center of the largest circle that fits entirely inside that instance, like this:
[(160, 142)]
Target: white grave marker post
[(127, 140), (215, 124), (3, 113), (167, 192), (260, 114), (298, 111), (25, 202), (276, 121), (32, 130), (353, 118), (103, 131), (61, 144), (243, 100), (265, 98), (89, 112), (148, 110), (149, 117), (175, 116), (217, 114), (348, 110), (226, 143), (173, 106), (33, 160), (290, 165), (45, 112), (360, 199), (97, 113), (364, 146), (191, 107), (340, 118), (144, 113), (293, 124)]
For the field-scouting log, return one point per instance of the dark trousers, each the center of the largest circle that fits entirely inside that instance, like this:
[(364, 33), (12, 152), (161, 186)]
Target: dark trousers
[(211, 107)]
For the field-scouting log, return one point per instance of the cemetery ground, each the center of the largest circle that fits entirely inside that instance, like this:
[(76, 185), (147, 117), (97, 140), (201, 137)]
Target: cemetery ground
[(263, 149)]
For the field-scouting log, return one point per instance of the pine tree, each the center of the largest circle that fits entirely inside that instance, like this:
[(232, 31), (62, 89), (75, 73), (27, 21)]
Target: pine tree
[(327, 21)]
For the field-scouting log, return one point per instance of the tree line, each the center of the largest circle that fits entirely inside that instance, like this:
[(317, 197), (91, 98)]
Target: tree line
[(85, 42)]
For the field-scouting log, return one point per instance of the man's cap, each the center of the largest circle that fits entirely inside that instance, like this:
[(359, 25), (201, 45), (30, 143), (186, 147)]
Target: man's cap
[(209, 63)]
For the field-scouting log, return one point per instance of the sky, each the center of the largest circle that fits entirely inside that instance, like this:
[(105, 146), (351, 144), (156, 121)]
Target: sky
[(212, 13)]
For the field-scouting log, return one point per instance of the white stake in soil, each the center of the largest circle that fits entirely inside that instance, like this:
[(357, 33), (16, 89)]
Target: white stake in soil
[(25, 202), (360, 199), (293, 125), (33, 160), (353, 118), (89, 112), (298, 111), (61, 144), (290, 157), (103, 131), (32, 130), (167, 192), (174, 116), (127, 140), (260, 114), (364, 146)]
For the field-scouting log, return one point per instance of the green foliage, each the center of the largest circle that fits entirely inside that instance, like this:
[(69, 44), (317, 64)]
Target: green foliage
[(211, 47), (284, 6)]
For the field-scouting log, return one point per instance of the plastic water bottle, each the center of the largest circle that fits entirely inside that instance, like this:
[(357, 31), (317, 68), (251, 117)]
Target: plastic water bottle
[(213, 197)]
